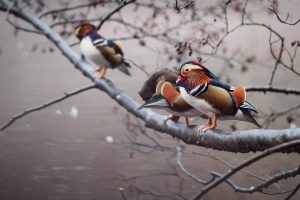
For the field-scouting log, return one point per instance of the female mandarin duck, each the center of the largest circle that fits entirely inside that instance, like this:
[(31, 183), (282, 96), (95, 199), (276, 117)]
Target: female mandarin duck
[(158, 91), (104, 53), (149, 87), (201, 89)]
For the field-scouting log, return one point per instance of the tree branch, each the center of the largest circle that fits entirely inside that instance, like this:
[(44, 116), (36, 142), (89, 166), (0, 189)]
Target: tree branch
[(273, 89), (252, 189), (113, 12), (178, 9), (274, 9), (293, 193), (244, 164), (260, 187), (45, 105), (238, 141), (50, 12), (182, 168)]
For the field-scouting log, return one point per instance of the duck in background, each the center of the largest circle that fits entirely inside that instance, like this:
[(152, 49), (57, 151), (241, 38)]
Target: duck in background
[(102, 52)]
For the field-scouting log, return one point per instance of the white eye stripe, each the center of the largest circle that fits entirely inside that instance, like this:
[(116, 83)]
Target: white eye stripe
[(189, 67)]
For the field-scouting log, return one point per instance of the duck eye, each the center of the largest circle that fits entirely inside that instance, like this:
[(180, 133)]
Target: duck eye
[(186, 70)]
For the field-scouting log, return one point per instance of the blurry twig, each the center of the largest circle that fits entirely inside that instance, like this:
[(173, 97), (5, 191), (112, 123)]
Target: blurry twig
[(17, 27), (272, 117), (293, 193), (251, 160), (178, 8), (91, 3), (45, 105), (122, 193), (181, 166), (274, 9), (139, 67), (113, 12), (273, 89)]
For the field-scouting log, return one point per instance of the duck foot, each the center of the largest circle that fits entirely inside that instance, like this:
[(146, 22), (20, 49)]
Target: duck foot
[(100, 72)]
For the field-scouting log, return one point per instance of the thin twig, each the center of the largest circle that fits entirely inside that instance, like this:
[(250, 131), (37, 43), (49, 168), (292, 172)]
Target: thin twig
[(113, 12), (274, 9), (242, 165), (45, 105), (273, 89), (276, 115), (178, 9), (91, 3), (260, 187), (181, 166), (122, 193), (293, 193)]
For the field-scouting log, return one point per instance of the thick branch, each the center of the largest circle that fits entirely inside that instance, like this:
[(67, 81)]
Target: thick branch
[(239, 141)]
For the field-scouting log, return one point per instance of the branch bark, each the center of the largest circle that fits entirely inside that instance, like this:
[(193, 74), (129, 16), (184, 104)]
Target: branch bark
[(238, 141)]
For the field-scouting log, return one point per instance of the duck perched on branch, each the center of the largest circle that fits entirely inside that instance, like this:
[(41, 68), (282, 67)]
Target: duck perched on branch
[(104, 53)]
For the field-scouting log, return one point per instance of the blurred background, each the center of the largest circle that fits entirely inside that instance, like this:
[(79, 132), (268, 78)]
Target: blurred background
[(88, 147)]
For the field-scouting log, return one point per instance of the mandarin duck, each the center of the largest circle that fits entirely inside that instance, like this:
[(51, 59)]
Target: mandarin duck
[(157, 91), (201, 89), (149, 87), (102, 52)]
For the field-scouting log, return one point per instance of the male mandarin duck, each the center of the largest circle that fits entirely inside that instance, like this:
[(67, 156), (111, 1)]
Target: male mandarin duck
[(201, 89), (104, 53), (157, 91)]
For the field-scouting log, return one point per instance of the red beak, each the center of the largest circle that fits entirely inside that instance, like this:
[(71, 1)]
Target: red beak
[(179, 79)]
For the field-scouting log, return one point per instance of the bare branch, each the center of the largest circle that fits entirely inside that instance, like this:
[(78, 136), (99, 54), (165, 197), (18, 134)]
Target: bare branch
[(45, 105), (260, 187), (293, 193), (122, 193), (276, 115), (274, 9), (273, 89), (91, 3), (181, 166), (244, 164), (102, 19), (178, 8), (221, 160), (113, 12), (17, 27)]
